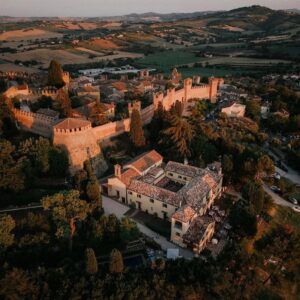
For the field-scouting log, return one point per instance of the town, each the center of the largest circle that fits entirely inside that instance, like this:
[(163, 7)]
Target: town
[(168, 169)]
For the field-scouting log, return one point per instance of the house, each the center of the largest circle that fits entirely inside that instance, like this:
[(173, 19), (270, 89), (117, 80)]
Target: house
[(145, 86), (177, 192), (235, 110), (118, 184)]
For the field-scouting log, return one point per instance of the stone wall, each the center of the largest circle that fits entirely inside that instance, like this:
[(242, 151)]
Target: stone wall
[(188, 92), (79, 143), (35, 123)]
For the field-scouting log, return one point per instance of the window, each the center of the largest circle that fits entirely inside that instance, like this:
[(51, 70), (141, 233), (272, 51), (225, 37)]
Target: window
[(184, 178), (179, 177), (178, 225), (177, 234), (165, 205), (151, 200), (130, 193), (170, 174), (139, 196)]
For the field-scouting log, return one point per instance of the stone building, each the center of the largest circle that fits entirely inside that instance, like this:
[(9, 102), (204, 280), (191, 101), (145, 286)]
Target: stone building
[(177, 192)]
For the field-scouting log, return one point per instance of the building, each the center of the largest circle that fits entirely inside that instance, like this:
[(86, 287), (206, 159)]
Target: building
[(90, 91), (235, 110), (179, 193), (117, 185)]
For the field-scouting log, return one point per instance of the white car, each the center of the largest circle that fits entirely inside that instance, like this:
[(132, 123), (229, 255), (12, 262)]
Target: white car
[(296, 208)]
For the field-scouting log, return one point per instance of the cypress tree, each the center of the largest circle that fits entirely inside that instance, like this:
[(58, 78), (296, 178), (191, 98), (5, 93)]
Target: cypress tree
[(136, 133), (116, 264), (64, 103), (91, 262), (55, 75)]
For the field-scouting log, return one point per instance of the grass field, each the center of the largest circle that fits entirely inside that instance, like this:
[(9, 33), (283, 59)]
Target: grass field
[(164, 61)]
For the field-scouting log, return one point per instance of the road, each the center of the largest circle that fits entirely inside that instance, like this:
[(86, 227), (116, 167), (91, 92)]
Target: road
[(8, 210), (277, 199), (292, 175), (113, 207)]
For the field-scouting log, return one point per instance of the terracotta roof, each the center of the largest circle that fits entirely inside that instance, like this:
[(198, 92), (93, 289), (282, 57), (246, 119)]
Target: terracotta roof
[(128, 175), (70, 123), (197, 229), (154, 192), (145, 161), (182, 169), (184, 214), (119, 85)]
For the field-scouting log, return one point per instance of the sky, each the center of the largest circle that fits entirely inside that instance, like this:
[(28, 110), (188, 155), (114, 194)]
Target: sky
[(95, 8)]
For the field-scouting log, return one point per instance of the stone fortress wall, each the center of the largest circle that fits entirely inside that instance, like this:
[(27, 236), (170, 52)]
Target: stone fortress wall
[(35, 123), (83, 143)]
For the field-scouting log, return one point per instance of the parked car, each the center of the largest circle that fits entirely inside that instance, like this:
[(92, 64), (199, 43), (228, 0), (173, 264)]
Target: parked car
[(275, 189), (294, 201), (296, 209)]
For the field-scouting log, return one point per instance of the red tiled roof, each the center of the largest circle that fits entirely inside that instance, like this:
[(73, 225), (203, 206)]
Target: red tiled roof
[(146, 161), (70, 123), (128, 175), (184, 214)]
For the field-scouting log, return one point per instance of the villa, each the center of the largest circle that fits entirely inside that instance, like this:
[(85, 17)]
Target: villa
[(179, 193)]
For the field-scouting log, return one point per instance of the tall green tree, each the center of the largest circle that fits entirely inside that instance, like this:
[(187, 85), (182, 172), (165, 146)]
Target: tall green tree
[(116, 264), (179, 136), (64, 103), (55, 74), (136, 133), (7, 225), (91, 264), (66, 209)]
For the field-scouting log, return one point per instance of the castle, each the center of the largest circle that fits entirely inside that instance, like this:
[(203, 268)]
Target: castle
[(81, 140)]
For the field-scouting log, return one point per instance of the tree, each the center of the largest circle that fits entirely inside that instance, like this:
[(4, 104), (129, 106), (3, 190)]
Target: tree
[(11, 169), (243, 220), (59, 162), (116, 264), (255, 194), (253, 110), (66, 209), (136, 133), (7, 120), (93, 192), (55, 75), (91, 261), (7, 225), (16, 284), (180, 135), (64, 103), (264, 165), (227, 166)]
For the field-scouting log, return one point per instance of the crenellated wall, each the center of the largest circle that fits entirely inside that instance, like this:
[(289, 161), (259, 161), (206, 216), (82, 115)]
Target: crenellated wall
[(35, 123), (202, 91), (82, 143)]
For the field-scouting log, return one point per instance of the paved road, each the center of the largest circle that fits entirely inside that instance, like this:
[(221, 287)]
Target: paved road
[(20, 208), (292, 175), (113, 207), (277, 199)]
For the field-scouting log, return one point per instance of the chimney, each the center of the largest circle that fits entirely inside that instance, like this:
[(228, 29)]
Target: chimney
[(118, 171)]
